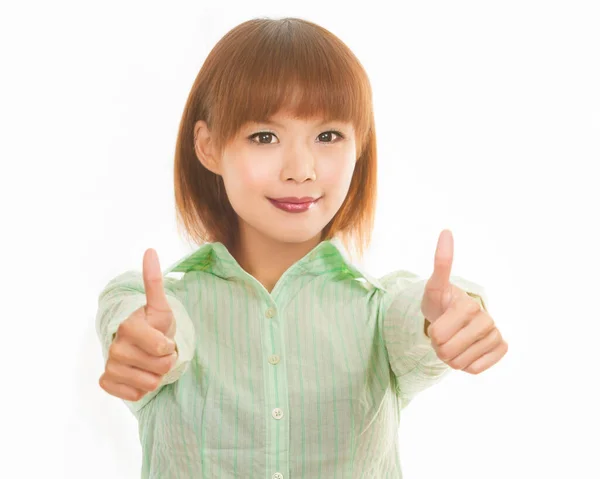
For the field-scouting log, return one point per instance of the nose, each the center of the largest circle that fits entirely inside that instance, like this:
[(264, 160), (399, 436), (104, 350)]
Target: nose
[(299, 165)]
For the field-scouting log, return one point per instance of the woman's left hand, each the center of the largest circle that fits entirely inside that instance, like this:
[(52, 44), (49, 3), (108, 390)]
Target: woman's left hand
[(463, 334)]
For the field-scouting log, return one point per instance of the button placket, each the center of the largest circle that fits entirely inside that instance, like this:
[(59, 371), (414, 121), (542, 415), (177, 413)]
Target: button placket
[(273, 345), (274, 359)]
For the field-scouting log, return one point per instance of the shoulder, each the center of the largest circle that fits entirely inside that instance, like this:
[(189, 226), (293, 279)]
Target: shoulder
[(399, 284), (399, 280)]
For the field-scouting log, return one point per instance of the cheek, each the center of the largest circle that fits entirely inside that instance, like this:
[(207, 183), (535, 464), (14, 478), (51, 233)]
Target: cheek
[(247, 176), (337, 175)]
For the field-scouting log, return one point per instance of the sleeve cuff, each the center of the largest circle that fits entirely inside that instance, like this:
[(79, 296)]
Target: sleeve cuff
[(184, 341), (123, 309), (404, 327), (474, 290)]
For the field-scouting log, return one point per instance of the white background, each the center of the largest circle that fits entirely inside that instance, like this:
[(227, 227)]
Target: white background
[(488, 121)]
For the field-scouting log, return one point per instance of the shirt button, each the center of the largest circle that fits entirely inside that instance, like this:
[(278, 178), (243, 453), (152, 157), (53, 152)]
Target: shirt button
[(270, 313), (277, 475), (277, 413), (274, 359)]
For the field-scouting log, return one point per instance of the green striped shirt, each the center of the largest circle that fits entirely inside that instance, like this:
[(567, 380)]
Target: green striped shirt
[(307, 381)]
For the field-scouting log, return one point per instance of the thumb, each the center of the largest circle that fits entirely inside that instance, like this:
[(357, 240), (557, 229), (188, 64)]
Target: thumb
[(158, 310), (438, 290)]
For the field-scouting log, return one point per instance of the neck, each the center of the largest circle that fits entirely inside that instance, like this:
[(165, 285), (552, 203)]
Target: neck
[(266, 258)]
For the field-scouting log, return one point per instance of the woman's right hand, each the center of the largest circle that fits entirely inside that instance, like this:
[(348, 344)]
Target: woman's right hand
[(143, 350)]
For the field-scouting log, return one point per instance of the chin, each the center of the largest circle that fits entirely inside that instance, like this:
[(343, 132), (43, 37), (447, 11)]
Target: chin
[(300, 238), (286, 227)]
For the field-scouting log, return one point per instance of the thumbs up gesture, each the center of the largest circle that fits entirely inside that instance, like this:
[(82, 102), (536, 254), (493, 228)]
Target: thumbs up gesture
[(463, 335), (143, 350)]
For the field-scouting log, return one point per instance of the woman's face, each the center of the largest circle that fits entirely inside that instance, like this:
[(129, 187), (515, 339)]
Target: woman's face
[(287, 157)]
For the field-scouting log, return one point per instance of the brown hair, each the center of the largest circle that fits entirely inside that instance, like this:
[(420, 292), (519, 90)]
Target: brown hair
[(257, 69)]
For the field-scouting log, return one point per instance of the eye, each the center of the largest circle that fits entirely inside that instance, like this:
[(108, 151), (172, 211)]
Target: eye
[(267, 135), (262, 135), (329, 133)]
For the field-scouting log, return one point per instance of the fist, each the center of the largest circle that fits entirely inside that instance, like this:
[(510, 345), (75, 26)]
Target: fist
[(143, 350)]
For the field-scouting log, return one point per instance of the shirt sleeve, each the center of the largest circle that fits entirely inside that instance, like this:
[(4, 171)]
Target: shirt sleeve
[(412, 357), (122, 296)]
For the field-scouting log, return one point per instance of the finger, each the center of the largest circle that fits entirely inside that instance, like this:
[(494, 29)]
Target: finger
[(122, 391), (156, 298), (138, 332), (131, 355), (476, 350), (473, 331), (488, 360), (131, 376), (442, 264), (456, 317)]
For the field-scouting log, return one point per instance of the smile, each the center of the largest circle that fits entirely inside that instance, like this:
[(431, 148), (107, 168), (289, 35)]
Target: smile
[(294, 207)]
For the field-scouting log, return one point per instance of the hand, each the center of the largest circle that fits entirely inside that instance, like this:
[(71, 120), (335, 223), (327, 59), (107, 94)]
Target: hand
[(143, 350), (463, 335)]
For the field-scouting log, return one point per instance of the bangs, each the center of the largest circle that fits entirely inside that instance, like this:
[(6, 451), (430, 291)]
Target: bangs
[(258, 69), (282, 67)]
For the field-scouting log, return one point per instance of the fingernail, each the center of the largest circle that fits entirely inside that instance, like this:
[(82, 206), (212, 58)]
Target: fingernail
[(167, 347)]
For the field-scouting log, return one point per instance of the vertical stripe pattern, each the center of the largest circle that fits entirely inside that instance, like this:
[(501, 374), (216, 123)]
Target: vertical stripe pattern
[(307, 381)]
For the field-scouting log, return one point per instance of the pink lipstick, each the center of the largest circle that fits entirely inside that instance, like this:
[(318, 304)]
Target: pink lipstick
[(293, 204)]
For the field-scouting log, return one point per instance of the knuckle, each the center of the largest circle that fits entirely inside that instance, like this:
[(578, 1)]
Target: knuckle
[(125, 328), (115, 351), (155, 310), (473, 307), (102, 382), (443, 353), (165, 365), (435, 336), (489, 324), (502, 347), (155, 280), (159, 348), (495, 337), (153, 383), (454, 364), (137, 395), (483, 334), (491, 337), (431, 330), (110, 367)]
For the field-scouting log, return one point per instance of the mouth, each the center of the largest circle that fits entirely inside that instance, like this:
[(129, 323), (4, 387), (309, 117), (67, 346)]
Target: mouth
[(294, 205)]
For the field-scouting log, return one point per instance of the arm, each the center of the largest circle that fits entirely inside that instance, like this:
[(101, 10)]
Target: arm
[(412, 358), (121, 297)]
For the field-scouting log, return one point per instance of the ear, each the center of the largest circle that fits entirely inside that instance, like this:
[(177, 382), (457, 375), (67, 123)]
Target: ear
[(203, 147)]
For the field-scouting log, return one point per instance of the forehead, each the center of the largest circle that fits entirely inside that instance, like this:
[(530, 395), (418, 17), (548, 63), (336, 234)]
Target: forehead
[(288, 117)]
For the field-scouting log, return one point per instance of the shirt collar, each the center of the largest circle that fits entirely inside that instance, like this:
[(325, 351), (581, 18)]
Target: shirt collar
[(328, 255)]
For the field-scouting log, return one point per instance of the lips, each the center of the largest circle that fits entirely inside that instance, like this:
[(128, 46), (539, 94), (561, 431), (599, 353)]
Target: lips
[(294, 204), (294, 199)]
